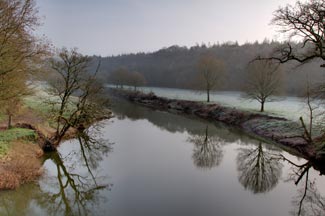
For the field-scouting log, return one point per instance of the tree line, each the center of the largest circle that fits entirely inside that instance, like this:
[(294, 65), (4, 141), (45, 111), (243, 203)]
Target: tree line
[(177, 67)]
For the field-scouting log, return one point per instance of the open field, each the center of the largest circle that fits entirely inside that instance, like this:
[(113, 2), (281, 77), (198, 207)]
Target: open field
[(289, 107)]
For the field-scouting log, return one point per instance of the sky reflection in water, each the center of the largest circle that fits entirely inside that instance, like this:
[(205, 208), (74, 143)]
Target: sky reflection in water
[(166, 164)]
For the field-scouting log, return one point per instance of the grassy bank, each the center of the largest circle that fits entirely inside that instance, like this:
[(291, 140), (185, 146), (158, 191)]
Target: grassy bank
[(8, 136), (19, 151), (33, 129), (19, 157)]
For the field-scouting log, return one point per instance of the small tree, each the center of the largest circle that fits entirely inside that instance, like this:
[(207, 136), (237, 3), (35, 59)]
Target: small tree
[(263, 81), (12, 107), (77, 95), (13, 87), (136, 79), (210, 70)]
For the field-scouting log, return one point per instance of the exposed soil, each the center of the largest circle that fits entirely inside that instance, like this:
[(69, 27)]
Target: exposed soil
[(20, 165)]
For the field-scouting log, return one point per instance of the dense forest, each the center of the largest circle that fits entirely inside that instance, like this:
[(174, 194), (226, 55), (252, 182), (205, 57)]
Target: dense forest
[(176, 66)]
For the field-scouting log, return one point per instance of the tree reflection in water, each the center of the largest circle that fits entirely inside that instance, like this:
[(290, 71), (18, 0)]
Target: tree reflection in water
[(77, 183), (259, 169), (207, 151), (18, 202), (309, 201)]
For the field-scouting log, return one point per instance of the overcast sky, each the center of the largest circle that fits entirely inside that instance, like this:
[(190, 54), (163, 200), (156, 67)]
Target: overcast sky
[(110, 27)]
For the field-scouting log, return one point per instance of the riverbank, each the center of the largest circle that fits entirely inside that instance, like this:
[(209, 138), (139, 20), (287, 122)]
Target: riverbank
[(278, 130), (22, 146), (20, 153)]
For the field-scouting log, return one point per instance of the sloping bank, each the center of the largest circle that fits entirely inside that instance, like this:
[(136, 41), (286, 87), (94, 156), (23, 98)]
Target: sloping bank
[(275, 129), (23, 161)]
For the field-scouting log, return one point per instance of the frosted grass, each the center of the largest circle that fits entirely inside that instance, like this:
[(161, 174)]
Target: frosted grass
[(288, 107)]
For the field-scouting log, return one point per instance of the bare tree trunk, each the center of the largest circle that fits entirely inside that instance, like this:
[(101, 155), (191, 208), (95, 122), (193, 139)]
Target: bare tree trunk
[(208, 94), (262, 106), (9, 121)]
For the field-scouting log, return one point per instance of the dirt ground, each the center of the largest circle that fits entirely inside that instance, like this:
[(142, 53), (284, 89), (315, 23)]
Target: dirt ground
[(20, 165)]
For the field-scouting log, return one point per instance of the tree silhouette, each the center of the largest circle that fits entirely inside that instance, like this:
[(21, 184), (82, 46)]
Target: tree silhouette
[(303, 21), (77, 191), (263, 81), (259, 169), (207, 151), (309, 201), (210, 70)]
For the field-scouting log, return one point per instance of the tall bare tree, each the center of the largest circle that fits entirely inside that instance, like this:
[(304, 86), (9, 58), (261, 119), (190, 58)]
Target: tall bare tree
[(304, 22), (78, 98), (210, 70), (263, 81)]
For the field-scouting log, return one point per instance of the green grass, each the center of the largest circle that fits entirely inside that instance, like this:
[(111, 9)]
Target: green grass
[(7, 136), (37, 104), (4, 147), (16, 133), (42, 106), (2, 116)]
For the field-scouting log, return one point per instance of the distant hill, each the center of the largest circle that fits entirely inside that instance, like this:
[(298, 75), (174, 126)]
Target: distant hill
[(175, 66)]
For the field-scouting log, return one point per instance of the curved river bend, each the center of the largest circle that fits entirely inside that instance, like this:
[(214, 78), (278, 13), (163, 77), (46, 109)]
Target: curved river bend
[(144, 162)]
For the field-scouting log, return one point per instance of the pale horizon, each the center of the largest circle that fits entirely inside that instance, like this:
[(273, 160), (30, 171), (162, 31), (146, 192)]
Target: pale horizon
[(119, 27)]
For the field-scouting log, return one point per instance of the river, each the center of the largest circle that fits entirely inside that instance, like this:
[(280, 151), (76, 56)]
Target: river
[(145, 162)]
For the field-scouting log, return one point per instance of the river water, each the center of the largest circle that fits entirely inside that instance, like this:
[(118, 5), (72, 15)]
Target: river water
[(145, 162)]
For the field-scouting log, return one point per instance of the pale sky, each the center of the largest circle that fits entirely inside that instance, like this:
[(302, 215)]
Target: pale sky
[(111, 27)]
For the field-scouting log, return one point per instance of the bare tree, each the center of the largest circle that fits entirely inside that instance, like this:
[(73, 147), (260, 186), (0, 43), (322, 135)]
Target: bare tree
[(312, 100), (77, 95), (304, 22), (210, 70), (263, 81)]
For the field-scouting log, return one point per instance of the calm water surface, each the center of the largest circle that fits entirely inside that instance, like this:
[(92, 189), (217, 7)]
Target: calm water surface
[(145, 162)]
